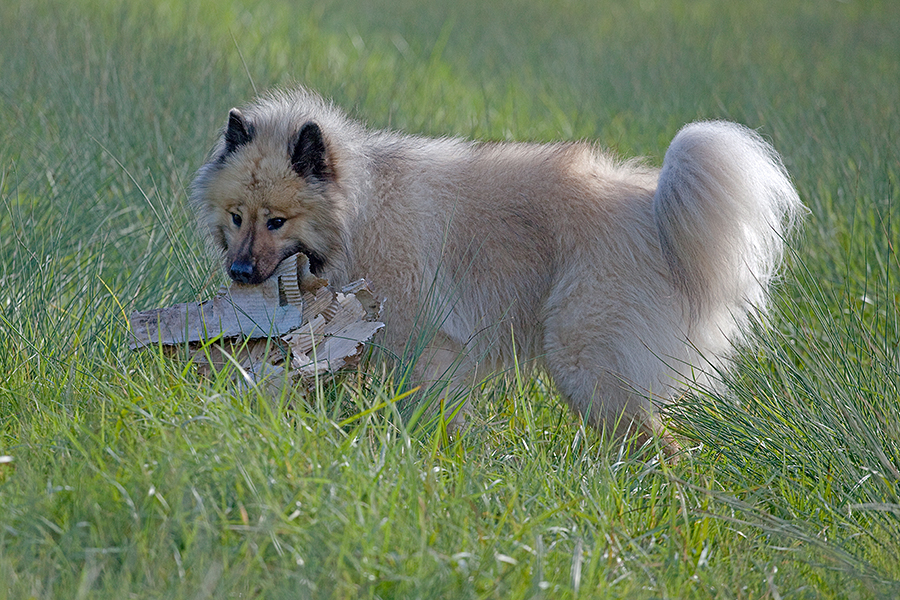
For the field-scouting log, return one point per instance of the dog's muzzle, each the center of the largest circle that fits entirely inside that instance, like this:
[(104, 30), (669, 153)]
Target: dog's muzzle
[(241, 271)]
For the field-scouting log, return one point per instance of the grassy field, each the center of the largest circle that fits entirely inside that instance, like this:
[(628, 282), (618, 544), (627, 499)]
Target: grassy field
[(127, 476)]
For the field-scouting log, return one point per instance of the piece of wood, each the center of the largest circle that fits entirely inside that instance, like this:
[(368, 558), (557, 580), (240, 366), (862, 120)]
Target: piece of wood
[(291, 321), (272, 308)]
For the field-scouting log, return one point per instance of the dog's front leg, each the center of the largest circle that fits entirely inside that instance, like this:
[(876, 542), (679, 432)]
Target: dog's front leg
[(446, 374)]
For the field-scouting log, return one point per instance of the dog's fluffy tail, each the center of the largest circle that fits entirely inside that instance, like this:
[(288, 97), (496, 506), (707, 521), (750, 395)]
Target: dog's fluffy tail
[(723, 207)]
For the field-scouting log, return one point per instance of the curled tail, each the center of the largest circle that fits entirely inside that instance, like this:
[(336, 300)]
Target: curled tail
[(723, 207)]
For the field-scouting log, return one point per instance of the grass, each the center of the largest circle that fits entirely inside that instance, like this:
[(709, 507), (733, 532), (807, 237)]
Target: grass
[(131, 477)]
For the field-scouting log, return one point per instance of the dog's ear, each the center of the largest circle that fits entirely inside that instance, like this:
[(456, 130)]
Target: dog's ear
[(238, 132), (309, 158)]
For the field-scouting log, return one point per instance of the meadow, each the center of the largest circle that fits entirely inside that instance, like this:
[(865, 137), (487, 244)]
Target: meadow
[(127, 475)]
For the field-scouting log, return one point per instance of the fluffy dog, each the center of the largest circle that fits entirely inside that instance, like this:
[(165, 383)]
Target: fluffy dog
[(624, 282)]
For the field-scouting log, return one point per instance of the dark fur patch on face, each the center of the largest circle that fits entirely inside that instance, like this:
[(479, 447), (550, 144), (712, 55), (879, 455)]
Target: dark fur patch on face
[(218, 235)]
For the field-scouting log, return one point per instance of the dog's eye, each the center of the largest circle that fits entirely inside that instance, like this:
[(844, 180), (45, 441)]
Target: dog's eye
[(236, 219), (273, 224)]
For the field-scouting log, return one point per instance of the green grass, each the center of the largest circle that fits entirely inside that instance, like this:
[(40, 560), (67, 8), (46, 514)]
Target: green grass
[(133, 477)]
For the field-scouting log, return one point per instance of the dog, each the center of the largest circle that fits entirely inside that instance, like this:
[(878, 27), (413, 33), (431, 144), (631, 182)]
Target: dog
[(626, 283)]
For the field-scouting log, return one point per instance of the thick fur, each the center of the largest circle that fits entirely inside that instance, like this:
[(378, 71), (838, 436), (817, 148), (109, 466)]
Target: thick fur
[(624, 282)]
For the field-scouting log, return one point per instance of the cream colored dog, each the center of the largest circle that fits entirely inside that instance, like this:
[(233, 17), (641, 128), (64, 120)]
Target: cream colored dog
[(624, 282)]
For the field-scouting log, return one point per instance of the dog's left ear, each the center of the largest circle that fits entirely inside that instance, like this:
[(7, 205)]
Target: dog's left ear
[(309, 158)]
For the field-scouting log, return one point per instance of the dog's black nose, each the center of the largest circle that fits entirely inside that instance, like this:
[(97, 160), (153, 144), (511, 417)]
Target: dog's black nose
[(241, 271)]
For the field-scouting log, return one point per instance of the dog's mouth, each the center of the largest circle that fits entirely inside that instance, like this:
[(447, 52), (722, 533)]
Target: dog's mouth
[(245, 271), (316, 260)]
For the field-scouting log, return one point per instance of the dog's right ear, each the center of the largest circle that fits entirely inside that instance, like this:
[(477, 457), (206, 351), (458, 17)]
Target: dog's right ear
[(238, 132)]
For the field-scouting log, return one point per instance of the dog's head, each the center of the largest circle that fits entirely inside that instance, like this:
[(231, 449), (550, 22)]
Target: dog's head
[(269, 191)]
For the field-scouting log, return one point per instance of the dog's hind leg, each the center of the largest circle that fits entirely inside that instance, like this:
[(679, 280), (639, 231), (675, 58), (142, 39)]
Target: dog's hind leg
[(610, 403), (602, 364)]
